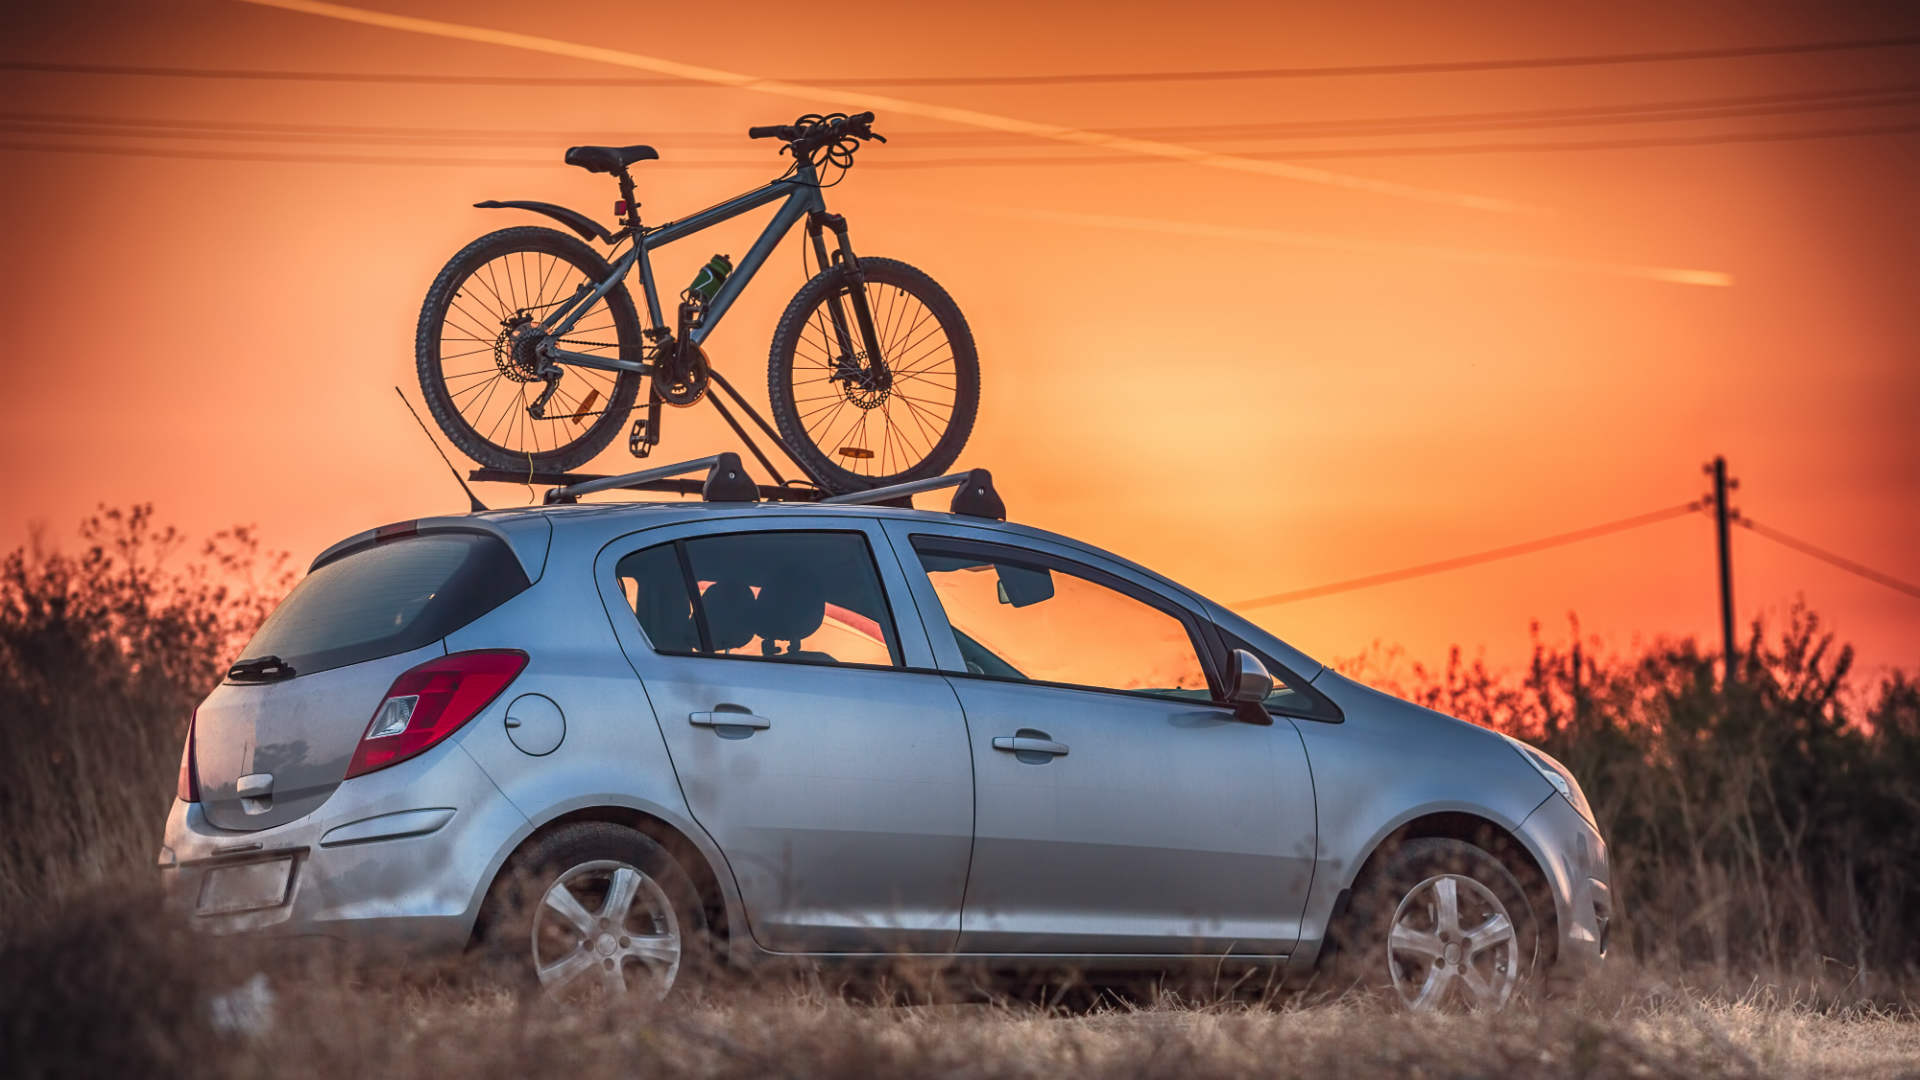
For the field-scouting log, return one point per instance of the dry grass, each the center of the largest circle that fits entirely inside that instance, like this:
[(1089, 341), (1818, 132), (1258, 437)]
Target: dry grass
[(97, 993)]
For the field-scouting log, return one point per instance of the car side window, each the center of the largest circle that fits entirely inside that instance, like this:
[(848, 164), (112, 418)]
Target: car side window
[(1029, 617), (792, 596)]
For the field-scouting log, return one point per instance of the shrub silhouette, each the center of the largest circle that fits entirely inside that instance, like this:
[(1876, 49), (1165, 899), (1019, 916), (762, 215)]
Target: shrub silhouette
[(1765, 825), (103, 655)]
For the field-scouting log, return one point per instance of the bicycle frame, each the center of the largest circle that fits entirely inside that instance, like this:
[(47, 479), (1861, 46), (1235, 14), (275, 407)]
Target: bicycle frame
[(803, 201)]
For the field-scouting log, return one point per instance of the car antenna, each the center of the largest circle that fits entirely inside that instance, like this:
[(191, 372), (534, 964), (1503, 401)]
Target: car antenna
[(473, 501)]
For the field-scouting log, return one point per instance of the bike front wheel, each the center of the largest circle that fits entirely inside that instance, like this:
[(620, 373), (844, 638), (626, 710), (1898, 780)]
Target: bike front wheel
[(480, 374), (854, 421)]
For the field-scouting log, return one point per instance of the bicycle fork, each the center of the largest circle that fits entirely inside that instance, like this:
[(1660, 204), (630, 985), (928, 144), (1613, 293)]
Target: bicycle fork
[(874, 373)]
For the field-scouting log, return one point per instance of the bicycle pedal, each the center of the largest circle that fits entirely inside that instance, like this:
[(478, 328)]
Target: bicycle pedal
[(641, 439)]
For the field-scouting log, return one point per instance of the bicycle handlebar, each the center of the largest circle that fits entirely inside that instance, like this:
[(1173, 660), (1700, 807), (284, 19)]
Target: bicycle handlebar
[(806, 136)]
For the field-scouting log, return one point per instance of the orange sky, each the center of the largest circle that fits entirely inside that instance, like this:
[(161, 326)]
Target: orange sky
[(1299, 389)]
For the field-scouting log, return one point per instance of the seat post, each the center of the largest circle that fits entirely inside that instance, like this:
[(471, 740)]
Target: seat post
[(633, 204)]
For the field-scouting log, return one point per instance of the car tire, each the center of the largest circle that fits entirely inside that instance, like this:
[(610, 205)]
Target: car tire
[(1439, 925), (598, 908)]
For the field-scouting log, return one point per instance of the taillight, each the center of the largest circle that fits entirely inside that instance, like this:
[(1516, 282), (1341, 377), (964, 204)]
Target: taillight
[(189, 787), (430, 702)]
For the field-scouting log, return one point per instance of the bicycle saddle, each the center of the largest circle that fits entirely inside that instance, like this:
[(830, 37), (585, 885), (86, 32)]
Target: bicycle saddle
[(609, 159)]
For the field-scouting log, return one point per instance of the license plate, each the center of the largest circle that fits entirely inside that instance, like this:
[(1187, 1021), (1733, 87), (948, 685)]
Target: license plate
[(245, 887)]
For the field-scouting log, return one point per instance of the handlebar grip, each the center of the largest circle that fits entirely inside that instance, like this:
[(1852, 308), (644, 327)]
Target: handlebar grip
[(860, 118), (771, 131)]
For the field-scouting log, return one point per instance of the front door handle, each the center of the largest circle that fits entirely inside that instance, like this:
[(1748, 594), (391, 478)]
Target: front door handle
[(729, 718), (1030, 742)]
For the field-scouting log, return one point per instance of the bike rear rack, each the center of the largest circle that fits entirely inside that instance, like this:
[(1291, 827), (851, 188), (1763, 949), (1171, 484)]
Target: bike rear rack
[(727, 481), (975, 496)]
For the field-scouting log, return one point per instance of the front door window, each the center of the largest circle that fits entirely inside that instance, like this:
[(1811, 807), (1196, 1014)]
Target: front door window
[(1036, 620)]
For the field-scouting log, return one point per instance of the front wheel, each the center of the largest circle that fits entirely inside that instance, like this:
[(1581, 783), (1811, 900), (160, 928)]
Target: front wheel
[(1441, 925), (855, 421)]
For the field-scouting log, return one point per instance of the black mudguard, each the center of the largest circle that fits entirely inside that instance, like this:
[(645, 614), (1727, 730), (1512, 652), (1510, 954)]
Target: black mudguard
[(588, 228)]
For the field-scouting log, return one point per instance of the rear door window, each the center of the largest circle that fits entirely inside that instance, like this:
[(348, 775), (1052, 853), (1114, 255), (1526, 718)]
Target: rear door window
[(392, 597), (792, 596)]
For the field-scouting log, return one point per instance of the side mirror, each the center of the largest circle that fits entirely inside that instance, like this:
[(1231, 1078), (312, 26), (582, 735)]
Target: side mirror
[(1248, 684), (1021, 586)]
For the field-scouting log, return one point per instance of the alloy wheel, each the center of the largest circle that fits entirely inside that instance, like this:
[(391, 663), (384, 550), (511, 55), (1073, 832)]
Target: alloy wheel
[(606, 924), (1452, 944)]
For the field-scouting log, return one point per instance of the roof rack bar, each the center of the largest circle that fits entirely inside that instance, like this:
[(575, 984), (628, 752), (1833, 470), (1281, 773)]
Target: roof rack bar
[(726, 481), (976, 496)]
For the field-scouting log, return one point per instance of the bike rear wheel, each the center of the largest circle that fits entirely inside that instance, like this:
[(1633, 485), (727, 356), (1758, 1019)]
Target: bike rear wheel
[(855, 425), (478, 372)]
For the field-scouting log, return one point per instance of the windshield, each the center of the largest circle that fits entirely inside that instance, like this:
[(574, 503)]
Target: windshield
[(392, 597)]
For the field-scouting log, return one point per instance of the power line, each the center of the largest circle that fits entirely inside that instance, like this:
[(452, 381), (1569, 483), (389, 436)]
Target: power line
[(1629, 112), (1029, 160), (1036, 79), (1632, 113), (1508, 552), (436, 161), (1434, 151), (1824, 555)]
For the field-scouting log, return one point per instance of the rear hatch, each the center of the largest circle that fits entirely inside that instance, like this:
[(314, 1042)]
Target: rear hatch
[(274, 740)]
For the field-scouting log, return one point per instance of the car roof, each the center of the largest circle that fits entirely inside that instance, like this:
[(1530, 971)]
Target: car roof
[(530, 530)]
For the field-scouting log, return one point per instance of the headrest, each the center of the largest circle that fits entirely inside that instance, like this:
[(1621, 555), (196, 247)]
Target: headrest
[(790, 608), (730, 611)]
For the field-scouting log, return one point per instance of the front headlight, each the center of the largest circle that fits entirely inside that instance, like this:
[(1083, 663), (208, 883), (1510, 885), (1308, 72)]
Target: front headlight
[(1557, 774)]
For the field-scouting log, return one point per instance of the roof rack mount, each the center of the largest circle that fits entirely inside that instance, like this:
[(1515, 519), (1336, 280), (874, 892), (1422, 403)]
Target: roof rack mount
[(726, 481), (975, 496)]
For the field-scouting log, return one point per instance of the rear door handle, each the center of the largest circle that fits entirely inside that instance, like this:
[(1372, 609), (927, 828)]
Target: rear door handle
[(1027, 744), (728, 718)]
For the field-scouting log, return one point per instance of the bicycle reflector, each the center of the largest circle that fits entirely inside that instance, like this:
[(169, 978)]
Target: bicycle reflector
[(431, 702)]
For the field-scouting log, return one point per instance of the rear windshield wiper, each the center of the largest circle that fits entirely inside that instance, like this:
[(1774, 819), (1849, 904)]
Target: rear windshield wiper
[(260, 669)]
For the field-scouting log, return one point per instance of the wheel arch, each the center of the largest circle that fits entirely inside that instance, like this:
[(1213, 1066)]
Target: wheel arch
[(716, 899), (1490, 836)]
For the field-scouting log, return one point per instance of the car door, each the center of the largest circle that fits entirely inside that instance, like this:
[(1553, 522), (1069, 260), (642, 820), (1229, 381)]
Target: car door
[(836, 782), (1118, 808)]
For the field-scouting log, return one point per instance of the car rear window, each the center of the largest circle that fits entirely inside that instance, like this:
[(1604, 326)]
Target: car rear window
[(389, 598)]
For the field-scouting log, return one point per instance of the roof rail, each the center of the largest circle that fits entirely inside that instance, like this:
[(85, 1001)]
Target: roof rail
[(727, 481), (975, 497)]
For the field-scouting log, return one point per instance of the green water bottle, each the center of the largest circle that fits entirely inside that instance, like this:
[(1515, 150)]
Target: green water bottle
[(711, 276)]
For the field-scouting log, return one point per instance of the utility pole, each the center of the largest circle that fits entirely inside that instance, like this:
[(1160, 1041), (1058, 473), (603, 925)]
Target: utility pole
[(1723, 516)]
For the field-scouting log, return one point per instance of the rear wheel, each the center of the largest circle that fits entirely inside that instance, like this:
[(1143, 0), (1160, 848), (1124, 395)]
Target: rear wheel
[(595, 909), (474, 349), (854, 424)]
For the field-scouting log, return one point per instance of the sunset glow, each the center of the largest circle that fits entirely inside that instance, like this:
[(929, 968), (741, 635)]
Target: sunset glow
[(1253, 374)]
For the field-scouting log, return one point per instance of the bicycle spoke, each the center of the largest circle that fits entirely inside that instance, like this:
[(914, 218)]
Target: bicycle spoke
[(545, 274), (474, 388)]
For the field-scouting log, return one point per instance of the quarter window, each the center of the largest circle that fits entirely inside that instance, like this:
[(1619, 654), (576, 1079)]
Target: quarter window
[(1034, 619), (799, 597)]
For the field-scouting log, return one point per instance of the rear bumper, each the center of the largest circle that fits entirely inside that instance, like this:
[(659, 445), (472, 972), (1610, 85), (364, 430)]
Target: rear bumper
[(1573, 857), (404, 854)]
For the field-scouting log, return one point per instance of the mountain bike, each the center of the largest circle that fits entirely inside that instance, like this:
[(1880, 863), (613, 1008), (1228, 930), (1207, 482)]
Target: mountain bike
[(532, 355)]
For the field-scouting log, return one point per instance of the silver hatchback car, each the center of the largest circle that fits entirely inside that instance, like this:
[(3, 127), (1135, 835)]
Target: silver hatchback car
[(612, 739)]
